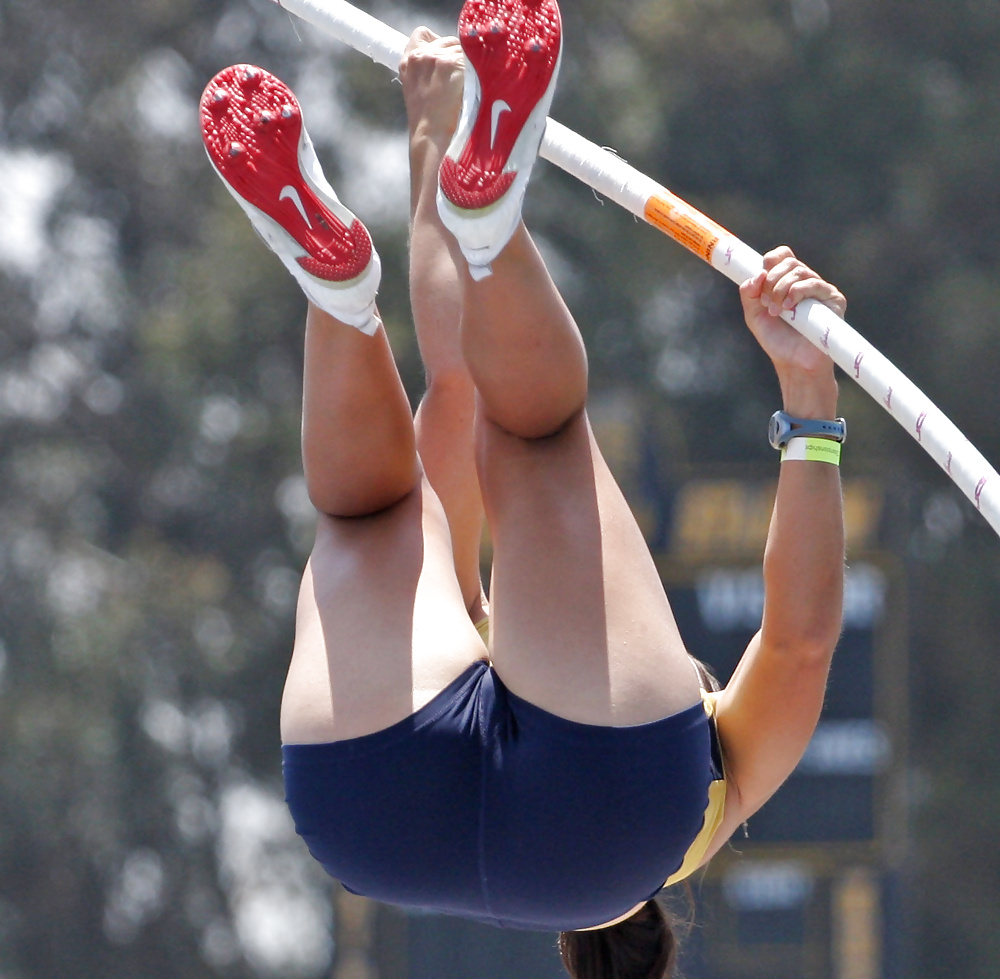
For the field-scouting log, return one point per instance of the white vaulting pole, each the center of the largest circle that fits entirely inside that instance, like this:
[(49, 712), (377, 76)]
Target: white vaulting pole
[(614, 178)]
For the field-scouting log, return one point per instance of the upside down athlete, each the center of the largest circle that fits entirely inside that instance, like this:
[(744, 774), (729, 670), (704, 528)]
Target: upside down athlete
[(549, 759)]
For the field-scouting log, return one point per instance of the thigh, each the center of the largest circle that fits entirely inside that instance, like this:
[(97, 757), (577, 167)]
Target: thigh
[(580, 623), (381, 626)]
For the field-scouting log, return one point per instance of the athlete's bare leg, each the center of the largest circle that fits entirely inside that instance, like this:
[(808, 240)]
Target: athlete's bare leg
[(445, 419), (358, 450), (580, 622), (382, 625)]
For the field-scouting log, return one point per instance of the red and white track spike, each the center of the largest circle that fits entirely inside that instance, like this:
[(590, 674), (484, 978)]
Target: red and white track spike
[(256, 141), (513, 50)]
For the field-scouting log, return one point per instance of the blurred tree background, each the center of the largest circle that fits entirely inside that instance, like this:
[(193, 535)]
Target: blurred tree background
[(154, 521)]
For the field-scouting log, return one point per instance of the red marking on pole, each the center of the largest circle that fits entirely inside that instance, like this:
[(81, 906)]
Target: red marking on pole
[(980, 486), (921, 418), (857, 365)]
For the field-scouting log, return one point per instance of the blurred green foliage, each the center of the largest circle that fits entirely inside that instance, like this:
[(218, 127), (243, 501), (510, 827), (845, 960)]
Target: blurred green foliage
[(152, 519)]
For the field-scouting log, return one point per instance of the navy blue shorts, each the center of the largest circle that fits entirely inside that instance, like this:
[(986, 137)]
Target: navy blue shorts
[(483, 805)]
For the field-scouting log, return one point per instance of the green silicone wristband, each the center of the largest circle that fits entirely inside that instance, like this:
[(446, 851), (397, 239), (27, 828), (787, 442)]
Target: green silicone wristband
[(812, 450)]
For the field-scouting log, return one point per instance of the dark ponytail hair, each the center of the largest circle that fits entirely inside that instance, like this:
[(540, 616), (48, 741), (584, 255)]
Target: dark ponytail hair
[(640, 947)]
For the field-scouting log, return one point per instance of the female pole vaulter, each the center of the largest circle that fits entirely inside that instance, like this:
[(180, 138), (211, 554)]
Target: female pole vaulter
[(556, 765)]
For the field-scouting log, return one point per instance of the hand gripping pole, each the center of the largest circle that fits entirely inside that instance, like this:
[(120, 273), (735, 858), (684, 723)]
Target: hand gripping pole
[(613, 178)]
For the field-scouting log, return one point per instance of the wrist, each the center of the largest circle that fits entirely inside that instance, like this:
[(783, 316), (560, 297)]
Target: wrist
[(808, 394), (431, 133), (425, 154)]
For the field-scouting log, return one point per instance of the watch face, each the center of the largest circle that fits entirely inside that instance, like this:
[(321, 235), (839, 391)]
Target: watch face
[(776, 428)]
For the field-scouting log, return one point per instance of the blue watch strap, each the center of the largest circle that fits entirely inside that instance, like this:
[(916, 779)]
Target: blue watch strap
[(784, 427)]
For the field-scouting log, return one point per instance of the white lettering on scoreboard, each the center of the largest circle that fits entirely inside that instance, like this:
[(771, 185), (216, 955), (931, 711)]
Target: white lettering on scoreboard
[(733, 598)]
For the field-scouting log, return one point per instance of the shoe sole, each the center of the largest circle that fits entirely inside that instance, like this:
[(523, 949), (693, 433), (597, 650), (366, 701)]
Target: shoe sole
[(513, 47), (252, 129)]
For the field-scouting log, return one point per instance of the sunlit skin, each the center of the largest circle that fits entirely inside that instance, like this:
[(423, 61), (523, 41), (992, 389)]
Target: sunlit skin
[(580, 622)]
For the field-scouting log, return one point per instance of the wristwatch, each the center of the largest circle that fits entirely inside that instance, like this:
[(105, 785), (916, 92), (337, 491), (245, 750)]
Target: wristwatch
[(783, 427)]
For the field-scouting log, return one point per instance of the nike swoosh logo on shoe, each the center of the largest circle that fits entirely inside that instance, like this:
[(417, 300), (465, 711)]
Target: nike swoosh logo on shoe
[(499, 107), (293, 195)]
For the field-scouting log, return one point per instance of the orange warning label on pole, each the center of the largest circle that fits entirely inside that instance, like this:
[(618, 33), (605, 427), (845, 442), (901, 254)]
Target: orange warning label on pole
[(694, 231)]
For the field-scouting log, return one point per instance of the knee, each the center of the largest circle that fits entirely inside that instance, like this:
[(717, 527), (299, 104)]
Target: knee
[(375, 496), (451, 383), (541, 426)]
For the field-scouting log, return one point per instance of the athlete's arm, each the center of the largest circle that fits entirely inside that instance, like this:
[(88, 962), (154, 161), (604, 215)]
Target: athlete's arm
[(768, 712)]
